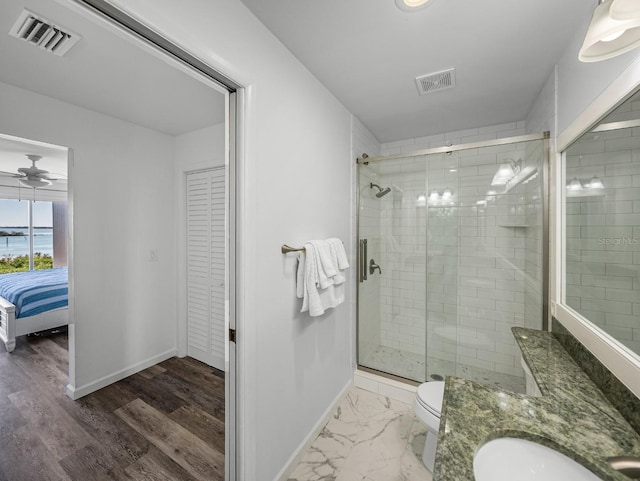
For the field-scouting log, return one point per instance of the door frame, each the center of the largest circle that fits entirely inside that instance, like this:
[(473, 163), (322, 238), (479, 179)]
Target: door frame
[(234, 127)]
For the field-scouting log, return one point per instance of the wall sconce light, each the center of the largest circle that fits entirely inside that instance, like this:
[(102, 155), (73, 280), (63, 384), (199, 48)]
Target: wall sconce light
[(593, 187), (595, 183), (574, 185), (446, 198), (614, 30), (506, 172)]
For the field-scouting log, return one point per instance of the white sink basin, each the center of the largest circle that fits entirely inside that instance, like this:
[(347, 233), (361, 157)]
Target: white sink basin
[(507, 459)]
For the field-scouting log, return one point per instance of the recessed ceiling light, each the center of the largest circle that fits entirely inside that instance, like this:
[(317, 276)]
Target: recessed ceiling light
[(411, 5)]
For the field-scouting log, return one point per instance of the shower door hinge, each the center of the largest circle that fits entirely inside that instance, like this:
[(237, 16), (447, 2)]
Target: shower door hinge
[(232, 335)]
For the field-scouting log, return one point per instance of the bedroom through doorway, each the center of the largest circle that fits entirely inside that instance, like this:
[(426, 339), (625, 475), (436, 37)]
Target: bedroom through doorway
[(137, 121), (33, 238)]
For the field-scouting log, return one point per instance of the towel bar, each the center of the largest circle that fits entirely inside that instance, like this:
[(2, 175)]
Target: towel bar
[(286, 249)]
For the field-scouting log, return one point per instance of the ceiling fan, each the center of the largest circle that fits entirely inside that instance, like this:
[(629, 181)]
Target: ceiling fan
[(33, 176)]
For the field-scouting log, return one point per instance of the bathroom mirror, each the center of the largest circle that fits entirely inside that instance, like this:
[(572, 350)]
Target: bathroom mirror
[(602, 230)]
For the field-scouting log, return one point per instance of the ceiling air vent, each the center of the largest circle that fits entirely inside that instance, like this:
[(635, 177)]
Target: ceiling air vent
[(43, 33), (433, 82)]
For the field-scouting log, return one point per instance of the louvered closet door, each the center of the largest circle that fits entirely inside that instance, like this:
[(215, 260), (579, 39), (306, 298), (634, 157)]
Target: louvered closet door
[(206, 266)]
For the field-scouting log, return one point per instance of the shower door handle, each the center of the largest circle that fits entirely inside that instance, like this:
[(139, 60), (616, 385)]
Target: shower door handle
[(362, 261)]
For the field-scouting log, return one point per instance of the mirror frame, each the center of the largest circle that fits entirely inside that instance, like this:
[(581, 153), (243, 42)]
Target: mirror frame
[(620, 360)]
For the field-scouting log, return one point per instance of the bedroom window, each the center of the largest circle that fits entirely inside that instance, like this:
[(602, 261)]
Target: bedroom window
[(22, 248)]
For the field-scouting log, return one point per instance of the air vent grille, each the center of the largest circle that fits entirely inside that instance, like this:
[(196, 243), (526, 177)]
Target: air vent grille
[(43, 33), (436, 81)]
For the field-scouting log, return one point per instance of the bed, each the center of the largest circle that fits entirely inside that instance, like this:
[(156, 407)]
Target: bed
[(32, 301)]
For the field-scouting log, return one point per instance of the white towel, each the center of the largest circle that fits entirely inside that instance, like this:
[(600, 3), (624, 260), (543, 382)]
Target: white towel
[(327, 268), (339, 259), (320, 280), (337, 244), (314, 300)]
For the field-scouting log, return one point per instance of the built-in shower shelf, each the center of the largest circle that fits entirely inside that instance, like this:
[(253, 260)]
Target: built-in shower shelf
[(521, 226)]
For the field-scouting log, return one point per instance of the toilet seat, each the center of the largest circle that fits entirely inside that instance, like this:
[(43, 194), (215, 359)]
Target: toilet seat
[(430, 395)]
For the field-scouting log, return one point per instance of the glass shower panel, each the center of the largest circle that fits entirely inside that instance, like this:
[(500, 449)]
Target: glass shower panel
[(392, 299), (459, 241), (443, 210)]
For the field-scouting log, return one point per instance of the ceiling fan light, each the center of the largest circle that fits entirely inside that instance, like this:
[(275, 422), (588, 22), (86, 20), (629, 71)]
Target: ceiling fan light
[(34, 183), (625, 9), (606, 37)]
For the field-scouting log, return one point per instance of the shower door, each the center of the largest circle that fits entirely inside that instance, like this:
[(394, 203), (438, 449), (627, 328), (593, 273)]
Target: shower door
[(402, 234), (456, 240)]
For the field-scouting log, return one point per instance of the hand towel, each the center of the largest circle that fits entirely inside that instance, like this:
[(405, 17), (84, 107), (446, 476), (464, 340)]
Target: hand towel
[(315, 300), (325, 264), (337, 244)]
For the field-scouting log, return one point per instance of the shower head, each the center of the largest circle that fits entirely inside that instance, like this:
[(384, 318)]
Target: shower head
[(381, 192)]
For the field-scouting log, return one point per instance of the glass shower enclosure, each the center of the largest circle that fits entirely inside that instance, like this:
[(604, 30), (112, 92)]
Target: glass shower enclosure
[(452, 254)]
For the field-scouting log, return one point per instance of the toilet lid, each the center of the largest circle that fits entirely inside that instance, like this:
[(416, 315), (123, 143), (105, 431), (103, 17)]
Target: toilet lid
[(430, 395)]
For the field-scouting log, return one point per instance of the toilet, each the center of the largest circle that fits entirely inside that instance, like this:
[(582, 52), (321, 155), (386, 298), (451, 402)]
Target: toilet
[(428, 406)]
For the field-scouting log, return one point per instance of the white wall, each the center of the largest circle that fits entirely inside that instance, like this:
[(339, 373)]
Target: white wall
[(123, 206), (295, 183), (579, 84)]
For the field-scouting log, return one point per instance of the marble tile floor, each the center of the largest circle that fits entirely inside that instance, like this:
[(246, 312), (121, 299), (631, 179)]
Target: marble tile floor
[(369, 438), (412, 366)]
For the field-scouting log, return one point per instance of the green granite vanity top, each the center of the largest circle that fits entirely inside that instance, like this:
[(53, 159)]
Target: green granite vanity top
[(572, 416)]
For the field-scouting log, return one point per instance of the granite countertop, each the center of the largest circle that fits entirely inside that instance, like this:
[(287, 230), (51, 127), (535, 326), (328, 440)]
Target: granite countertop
[(572, 416)]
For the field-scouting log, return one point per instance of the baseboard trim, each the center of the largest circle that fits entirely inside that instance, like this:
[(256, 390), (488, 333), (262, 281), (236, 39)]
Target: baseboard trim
[(297, 455), (76, 393), (391, 388)]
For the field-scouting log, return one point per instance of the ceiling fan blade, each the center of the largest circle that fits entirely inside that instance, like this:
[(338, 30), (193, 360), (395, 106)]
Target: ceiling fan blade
[(54, 177), (10, 174)]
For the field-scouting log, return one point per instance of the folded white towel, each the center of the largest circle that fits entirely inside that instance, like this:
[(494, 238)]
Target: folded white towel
[(320, 280), (314, 300), (337, 244), (327, 268)]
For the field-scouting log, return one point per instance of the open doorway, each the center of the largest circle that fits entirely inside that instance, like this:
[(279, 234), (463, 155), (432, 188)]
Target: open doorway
[(135, 120), (33, 238)]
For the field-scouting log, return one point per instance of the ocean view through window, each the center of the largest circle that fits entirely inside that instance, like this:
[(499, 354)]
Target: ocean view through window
[(15, 235)]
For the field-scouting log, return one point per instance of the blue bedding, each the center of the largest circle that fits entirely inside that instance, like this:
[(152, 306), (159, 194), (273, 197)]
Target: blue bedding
[(34, 292)]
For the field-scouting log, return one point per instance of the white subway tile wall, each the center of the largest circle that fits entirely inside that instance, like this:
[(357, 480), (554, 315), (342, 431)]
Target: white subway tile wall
[(603, 228)]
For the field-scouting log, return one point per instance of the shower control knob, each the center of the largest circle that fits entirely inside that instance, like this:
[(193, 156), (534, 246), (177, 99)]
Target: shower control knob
[(373, 266)]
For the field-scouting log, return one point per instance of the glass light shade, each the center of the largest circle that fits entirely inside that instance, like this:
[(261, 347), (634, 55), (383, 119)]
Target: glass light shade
[(505, 174), (411, 5), (625, 9), (596, 183), (606, 37), (34, 183), (433, 196), (574, 184), (447, 194)]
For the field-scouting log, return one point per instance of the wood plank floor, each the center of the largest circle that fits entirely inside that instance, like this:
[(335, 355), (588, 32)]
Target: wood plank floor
[(163, 424)]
